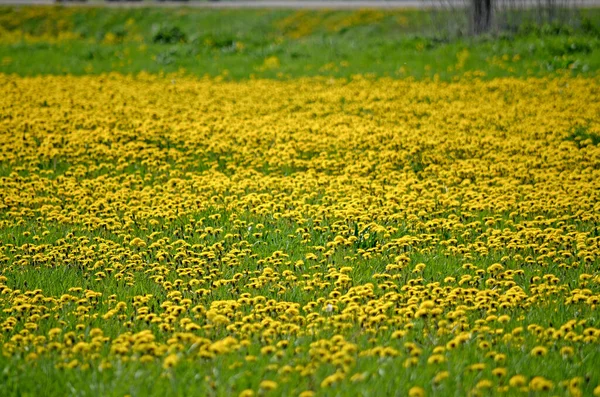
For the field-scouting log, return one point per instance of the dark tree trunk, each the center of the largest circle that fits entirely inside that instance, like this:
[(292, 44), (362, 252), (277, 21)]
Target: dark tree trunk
[(481, 16)]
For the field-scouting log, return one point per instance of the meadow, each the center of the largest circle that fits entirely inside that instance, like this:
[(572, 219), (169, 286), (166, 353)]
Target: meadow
[(227, 235), (283, 44)]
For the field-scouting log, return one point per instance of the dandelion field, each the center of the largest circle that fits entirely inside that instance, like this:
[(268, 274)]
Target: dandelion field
[(278, 202), (185, 236)]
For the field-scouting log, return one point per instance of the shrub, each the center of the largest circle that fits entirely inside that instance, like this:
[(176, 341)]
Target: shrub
[(168, 34)]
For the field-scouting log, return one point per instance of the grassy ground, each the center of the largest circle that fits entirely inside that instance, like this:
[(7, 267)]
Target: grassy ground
[(314, 235), (335, 237), (282, 44), (231, 236)]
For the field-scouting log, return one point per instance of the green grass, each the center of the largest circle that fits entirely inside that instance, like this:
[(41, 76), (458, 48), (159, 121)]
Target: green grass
[(242, 44), (273, 44), (222, 378)]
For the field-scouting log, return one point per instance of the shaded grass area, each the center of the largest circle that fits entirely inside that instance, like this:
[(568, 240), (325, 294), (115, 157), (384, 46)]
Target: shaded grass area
[(242, 44)]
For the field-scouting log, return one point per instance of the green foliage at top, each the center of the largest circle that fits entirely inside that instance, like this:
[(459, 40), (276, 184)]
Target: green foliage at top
[(241, 44)]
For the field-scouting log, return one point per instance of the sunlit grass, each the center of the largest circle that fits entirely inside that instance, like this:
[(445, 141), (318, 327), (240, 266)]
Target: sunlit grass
[(176, 236)]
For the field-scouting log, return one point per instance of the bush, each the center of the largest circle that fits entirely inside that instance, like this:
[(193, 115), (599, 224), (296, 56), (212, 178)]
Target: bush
[(589, 27), (166, 34)]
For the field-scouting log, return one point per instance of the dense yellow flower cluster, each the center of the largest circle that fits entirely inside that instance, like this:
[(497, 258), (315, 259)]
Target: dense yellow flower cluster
[(342, 231)]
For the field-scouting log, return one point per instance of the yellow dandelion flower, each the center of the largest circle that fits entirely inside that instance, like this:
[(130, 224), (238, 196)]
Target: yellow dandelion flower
[(539, 383), (416, 391), (567, 351), (539, 351), (268, 385), (517, 381), (499, 372), (170, 361), (441, 376), (484, 384), (436, 359)]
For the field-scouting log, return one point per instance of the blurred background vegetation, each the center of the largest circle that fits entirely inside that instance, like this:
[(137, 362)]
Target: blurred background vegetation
[(278, 43)]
